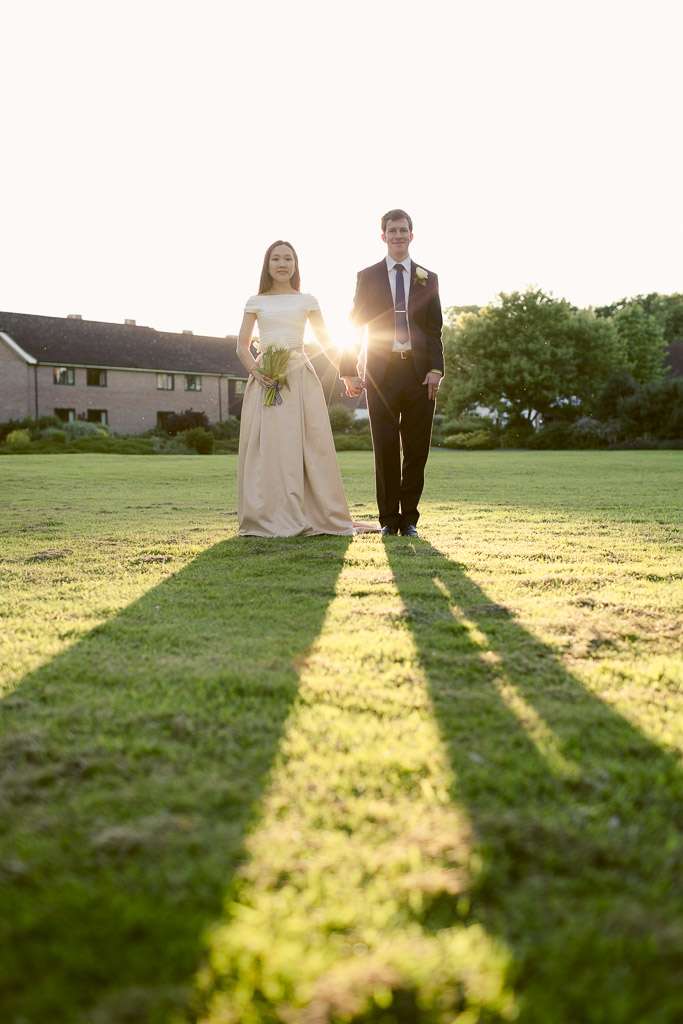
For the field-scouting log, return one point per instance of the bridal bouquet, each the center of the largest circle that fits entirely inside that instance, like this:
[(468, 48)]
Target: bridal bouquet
[(274, 365)]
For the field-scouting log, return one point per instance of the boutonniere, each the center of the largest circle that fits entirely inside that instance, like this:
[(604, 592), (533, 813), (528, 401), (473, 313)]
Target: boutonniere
[(421, 275)]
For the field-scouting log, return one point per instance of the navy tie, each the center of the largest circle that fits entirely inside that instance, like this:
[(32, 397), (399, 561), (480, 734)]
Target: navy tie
[(400, 313)]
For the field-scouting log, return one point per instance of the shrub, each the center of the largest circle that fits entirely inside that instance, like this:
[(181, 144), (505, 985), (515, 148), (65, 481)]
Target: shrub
[(360, 426), (83, 428), (230, 444), (104, 443), (589, 433), (100, 443), (341, 418), (612, 430), (672, 444), (175, 446), (169, 445), (91, 443), (33, 426), (466, 425), (200, 439), (229, 428), (517, 435), (18, 439), (53, 434), (353, 442), (8, 426), (179, 422), (453, 440), (44, 422), (655, 410), (555, 435), (479, 440)]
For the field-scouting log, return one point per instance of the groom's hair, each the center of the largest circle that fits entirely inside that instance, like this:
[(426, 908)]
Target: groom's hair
[(396, 215), (267, 281)]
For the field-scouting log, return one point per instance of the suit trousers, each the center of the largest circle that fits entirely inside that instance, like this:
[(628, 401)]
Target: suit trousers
[(401, 423)]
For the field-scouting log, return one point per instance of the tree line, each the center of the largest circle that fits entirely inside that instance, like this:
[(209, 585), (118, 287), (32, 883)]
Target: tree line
[(539, 367)]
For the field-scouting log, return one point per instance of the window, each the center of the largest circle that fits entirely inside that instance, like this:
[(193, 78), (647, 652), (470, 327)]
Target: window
[(162, 420), (165, 382), (66, 415), (97, 416), (96, 378), (64, 375), (193, 382), (240, 386)]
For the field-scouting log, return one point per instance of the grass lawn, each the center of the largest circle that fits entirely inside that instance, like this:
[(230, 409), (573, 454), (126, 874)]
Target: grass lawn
[(327, 780)]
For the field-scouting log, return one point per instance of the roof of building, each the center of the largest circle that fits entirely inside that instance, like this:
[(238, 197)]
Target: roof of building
[(71, 341)]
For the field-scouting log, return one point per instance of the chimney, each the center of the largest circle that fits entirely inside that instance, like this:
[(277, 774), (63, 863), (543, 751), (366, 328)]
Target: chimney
[(129, 323), (187, 332), (74, 316)]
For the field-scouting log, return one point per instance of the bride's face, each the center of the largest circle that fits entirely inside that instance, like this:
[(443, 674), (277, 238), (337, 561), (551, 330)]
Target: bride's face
[(281, 264)]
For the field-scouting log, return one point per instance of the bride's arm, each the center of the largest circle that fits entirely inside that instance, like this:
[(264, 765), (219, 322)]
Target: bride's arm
[(244, 348), (322, 336)]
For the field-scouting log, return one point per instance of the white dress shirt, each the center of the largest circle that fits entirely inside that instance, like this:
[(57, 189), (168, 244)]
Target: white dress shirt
[(391, 267)]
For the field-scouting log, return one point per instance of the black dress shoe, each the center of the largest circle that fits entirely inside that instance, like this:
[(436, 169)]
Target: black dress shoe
[(389, 531), (409, 531)]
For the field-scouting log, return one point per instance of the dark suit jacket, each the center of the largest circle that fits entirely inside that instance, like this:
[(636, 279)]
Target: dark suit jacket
[(374, 306)]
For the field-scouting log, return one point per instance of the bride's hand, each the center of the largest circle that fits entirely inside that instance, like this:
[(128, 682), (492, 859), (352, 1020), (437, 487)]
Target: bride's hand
[(260, 378), (354, 386)]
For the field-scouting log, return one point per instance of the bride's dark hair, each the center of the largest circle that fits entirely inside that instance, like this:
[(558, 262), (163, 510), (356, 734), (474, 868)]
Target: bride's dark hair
[(267, 281)]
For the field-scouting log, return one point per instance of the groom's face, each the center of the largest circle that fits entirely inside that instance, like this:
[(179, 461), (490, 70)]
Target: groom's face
[(398, 237)]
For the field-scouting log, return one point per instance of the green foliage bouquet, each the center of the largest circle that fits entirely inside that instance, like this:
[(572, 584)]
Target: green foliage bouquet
[(274, 365)]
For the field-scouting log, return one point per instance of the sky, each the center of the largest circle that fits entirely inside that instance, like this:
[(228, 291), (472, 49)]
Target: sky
[(153, 150)]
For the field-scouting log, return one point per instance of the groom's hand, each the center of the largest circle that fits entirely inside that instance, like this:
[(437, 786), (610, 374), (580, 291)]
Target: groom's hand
[(354, 386), (432, 380)]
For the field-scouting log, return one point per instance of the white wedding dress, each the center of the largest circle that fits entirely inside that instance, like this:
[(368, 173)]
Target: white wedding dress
[(289, 483)]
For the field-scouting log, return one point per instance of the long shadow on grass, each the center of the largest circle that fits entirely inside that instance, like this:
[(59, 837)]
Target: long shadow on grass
[(131, 769), (577, 814)]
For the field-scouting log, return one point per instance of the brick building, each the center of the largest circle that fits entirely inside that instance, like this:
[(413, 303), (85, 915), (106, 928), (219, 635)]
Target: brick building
[(126, 376)]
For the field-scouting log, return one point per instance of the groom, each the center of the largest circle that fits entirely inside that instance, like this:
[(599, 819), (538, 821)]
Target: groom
[(399, 302)]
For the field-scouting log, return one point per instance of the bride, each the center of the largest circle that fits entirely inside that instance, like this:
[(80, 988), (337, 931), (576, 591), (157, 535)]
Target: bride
[(289, 482)]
